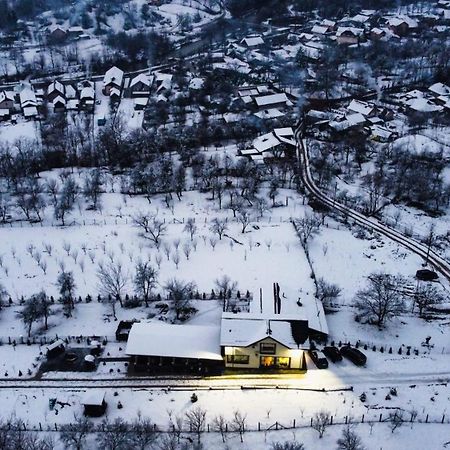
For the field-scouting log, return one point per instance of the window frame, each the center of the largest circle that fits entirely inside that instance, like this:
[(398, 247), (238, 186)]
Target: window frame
[(271, 351)]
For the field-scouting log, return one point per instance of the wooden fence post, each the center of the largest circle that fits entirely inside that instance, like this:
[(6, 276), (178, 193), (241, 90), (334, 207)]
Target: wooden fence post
[(311, 421), (362, 419), (331, 420), (426, 419), (293, 423), (276, 426), (381, 415), (346, 418), (443, 417), (259, 426)]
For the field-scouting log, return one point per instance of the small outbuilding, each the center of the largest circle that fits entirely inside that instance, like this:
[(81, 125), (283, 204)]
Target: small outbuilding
[(56, 348), (94, 403)]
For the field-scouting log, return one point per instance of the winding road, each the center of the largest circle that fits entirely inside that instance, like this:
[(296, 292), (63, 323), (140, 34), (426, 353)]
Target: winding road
[(436, 261)]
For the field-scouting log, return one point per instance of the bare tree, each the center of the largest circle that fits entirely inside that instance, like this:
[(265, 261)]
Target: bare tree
[(327, 292), (349, 440), (180, 292), (320, 421), (145, 280), (225, 285), (307, 227), (196, 419), (219, 424), (154, 229), (31, 312), (143, 434), (287, 445), (213, 242), (239, 424), (187, 249), (219, 226), (243, 217), (261, 206), (113, 435), (396, 419), (426, 296), (3, 295), (176, 259), (74, 434), (190, 227), (382, 299), (112, 280)]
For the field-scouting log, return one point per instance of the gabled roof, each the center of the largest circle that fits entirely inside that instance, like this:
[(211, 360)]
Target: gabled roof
[(6, 95), (113, 75), (437, 88), (271, 99), (176, 341), (55, 86), (87, 92), (59, 99), (318, 29), (253, 41), (396, 21), (27, 97), (241, 331), (360, 107), (349, 30), (141, 78)]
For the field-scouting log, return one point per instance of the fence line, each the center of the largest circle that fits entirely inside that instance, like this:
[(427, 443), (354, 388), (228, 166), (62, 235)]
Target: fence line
[(294, 424)]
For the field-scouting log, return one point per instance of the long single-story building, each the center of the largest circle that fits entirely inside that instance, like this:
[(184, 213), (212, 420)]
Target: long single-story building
[(159, 347)]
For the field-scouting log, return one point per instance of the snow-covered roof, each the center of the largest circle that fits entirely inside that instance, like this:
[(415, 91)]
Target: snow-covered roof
[(176, 341), (271, 99), (241, 331), (113, 75), (141, 101), (232, 117), (4, 112), (270, 113), (361, 18), (87, 92), (349, 30), (437, 88), (266, 142), (360, 107), (318, 29), (196, 83), (382, 132), (30, 111), (55, 344), (6, 95), (142, 78), (355, 119), (423, 105), (59, 99), (328, 23), (253, 41), (396, 21), (27, 97), (114, 92), (55, 86), (71, 92), (93, 398)]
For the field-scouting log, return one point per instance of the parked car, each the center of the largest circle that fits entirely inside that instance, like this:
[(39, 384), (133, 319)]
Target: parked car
[(426, 275), (318, 359), (333, 353), (354, 355)]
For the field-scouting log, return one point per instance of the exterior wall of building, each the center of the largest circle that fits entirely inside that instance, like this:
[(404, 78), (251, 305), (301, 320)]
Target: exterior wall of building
[(263, 359)]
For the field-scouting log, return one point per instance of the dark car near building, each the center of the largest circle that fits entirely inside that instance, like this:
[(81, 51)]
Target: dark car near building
[(318, 359), (354, 355), (333, 353)]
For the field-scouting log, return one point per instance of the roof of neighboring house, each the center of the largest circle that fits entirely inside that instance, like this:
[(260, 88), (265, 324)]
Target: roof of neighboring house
[(423, 105), (349, 30), (360, 107), (113, 75), (196, 83), (87, 92), (55, 86), (27, 96), (93, 398), (30, 111), (377, 130), (318, 29), (71, 92), (141, 78), (271, 99), (59, 99), (328, 23), (396, 21), (253, 41), (114, 91), (6, 95), (270, 113), (176, 341), (437, 88)]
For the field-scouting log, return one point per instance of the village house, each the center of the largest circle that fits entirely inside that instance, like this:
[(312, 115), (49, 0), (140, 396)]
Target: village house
[(273, 101), (253, 42), (349, 35), (55, 89), (6, 105), (140, 85), (364, 108), (401, 26), (28, 102), (113, 82), (87, 95)]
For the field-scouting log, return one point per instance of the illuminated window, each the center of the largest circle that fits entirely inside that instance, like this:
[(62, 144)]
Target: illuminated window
[(238, 359), (267, 361), (267, 348), (283, 362)]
